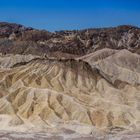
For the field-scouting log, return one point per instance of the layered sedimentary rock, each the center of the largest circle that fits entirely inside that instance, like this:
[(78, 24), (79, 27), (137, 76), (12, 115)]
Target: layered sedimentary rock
[(16, 38), (80, 81), (68, 94), (116, 65)]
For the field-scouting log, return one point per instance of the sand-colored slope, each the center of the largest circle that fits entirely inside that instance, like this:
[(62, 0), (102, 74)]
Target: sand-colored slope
[(115, 66), (46, 94)]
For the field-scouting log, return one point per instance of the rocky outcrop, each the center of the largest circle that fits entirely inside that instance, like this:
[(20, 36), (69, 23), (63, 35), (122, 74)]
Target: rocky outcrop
[(9, 61), (9, 29), (84, 81), (66, 94), (116, 66), (17, 39)]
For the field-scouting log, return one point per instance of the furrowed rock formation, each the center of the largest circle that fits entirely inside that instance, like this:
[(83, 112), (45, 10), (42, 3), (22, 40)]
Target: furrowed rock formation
[(9, 61), (116, 65), (17, 39), (51, 92), (81, 81)]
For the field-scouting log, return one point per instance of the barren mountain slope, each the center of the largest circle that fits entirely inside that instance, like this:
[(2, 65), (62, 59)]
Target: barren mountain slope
[(17, 39), (65, 94), (117, 66), (84, 81)]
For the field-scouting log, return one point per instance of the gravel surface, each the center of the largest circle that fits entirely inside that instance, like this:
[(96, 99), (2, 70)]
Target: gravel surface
[(45, 136)]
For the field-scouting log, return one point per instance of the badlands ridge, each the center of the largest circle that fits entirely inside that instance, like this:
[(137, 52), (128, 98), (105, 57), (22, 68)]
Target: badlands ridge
[(96, 91)]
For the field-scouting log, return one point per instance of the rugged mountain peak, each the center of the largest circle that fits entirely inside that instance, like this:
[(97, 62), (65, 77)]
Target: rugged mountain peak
[(18, 39), (23, 40), (127, 27), (7, 29)]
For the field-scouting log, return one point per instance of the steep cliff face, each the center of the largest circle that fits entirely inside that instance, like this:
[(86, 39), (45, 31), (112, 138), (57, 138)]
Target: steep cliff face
[(86, 81)]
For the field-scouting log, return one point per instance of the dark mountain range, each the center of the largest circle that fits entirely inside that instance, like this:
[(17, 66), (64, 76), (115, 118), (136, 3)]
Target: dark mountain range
[(17, 39)]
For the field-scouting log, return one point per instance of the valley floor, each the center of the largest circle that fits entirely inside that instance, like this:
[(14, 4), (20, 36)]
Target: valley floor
[(65, 136)]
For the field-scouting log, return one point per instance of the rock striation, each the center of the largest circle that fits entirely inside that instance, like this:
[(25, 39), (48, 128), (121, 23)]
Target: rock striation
[(68, 94), (17, 39), (67, 83)]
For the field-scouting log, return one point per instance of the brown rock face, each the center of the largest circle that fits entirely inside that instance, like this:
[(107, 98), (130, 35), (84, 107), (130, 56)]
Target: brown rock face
[(82, 81), (17, 39)]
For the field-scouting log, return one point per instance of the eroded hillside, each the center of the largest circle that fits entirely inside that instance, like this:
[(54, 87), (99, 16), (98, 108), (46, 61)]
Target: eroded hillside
[(17, 39), (66, 82)]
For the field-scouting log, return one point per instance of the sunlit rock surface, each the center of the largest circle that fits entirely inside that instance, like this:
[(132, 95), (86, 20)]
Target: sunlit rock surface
[(50, 95), (75, 85)]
